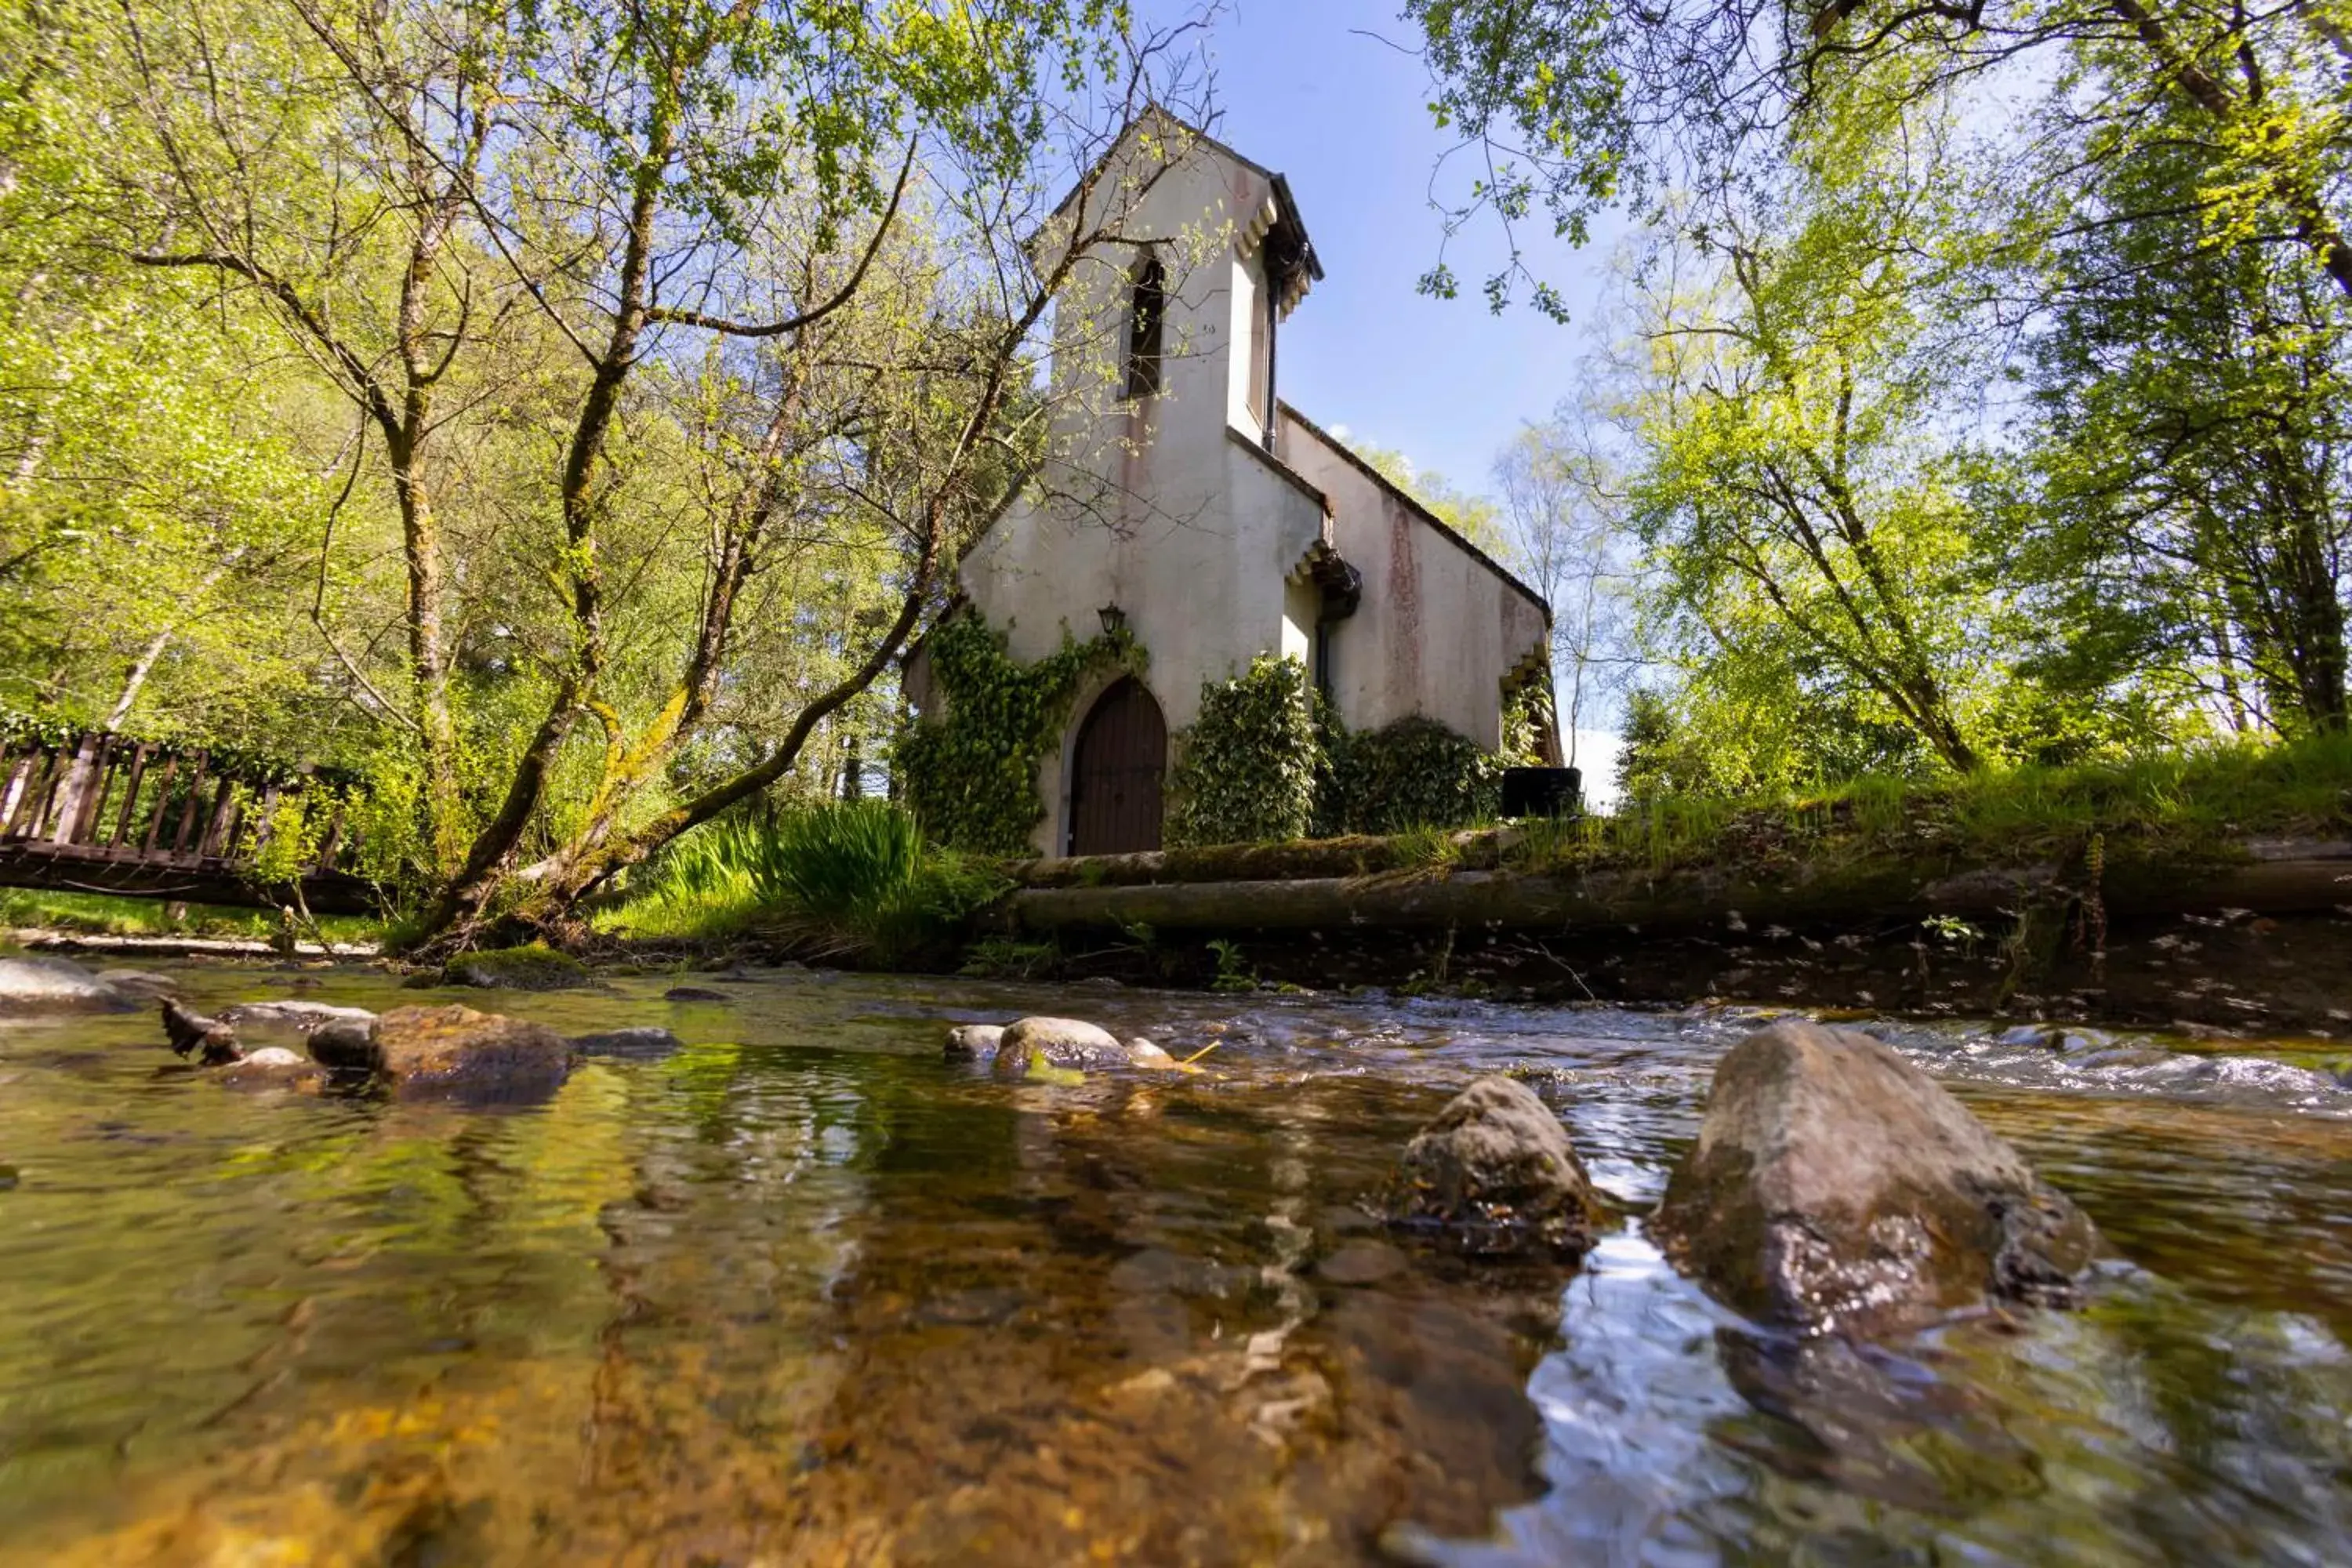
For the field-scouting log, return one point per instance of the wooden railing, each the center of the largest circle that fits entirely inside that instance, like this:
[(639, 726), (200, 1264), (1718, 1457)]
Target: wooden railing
[(103, 813)]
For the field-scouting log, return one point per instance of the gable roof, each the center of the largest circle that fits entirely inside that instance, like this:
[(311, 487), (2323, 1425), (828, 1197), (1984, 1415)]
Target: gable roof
[(1419, 509), (1284, 232)]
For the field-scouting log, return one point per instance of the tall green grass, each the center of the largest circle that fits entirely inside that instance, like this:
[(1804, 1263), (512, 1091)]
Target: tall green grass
[(2179, 803), (837, 878)]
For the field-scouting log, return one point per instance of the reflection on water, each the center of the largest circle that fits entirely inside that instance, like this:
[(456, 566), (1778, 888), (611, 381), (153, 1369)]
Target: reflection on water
[(803, 1293)]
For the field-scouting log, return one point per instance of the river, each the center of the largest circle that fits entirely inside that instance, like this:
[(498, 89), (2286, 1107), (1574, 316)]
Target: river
[(804, 1293)]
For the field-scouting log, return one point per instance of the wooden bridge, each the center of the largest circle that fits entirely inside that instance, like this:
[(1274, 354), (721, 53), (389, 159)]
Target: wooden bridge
[(98, 813)]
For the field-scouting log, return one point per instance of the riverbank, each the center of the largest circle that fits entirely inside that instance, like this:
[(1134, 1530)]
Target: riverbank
[(2207, 892)]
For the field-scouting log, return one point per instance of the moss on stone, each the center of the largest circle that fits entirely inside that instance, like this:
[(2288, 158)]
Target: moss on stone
[(535, 967)]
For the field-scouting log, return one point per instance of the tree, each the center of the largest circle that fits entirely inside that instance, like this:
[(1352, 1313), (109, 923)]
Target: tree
[(687, 346), (1802, 496), (156, 513), (1475, 517), (1581, 103), (1563, 507), (2191, 397)]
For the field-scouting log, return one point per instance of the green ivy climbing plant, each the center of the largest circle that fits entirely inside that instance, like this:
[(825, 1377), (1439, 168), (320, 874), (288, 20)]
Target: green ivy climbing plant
[(971, 773), (1249, 768), (1269, 760), (1414, 772)]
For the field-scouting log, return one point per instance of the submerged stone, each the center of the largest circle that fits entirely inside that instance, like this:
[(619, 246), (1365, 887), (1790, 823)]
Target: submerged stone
[(638, 1043), (275, 1066), (1835, 1186), (1495, 1169), (695, 993), (1069, 1045)]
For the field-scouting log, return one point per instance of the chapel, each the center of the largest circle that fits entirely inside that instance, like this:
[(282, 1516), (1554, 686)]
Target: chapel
[(1183, 500)]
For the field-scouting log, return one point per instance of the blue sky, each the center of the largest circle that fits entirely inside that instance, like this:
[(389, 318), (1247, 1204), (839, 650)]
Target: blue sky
[(1302, 89)]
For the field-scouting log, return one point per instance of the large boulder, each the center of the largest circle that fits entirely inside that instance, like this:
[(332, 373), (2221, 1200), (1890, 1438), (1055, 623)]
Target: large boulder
[(39, 987), (1836, 1186), (453, 1053), (1496, 1172)]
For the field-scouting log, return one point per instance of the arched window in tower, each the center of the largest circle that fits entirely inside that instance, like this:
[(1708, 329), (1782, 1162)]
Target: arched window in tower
[(1146, 319)]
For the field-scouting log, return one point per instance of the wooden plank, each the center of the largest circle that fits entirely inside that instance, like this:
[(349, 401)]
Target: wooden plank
[(218, 821), (37, 812), (188, 812), (131, 794), (95, 787), (22, 776), (163, 803), (40, 865)]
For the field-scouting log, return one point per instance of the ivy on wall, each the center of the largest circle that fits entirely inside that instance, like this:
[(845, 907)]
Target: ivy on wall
[(1269, 760), (970, 774), (1251, 766), (1414, 772)]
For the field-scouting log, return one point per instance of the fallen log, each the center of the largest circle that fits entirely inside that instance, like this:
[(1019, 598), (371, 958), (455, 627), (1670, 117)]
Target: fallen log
[(2273, 878)]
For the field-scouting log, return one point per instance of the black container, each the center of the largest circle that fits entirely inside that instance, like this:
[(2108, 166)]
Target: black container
[(1543, 792)]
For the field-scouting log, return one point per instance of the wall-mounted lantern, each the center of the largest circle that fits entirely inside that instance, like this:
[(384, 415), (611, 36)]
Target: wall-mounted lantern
[(1114, 620)]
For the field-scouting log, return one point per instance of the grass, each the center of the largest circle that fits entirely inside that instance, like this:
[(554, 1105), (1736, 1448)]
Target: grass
[(106, 914), (848, 878), (2186, 806)]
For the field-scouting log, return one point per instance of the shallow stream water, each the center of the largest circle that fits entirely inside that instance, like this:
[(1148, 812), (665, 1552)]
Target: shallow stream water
[(803, 1293)]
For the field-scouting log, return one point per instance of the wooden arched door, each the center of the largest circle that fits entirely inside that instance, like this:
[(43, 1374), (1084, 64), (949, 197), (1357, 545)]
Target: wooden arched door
[(1116, 770)]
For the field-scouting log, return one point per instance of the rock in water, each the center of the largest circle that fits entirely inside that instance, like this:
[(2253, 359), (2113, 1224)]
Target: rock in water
[(451, 1053), (1055, 1042), (1142, 1053), (345, 1045), (641, 1043), (695, 993), (1496, 1171), (537, 967), (212, 1042), (275, 1066), (1834, 1185), (31, 987), (302, 1017), (974, 1042)]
